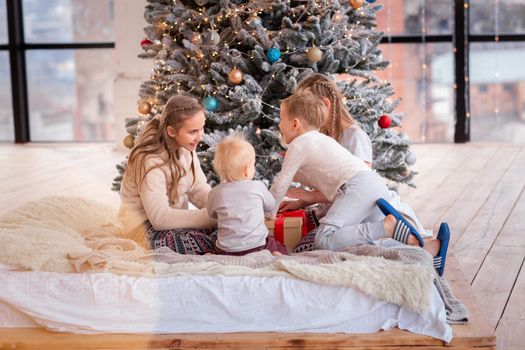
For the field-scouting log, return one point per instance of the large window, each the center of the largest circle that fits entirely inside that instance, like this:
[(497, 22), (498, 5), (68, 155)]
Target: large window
[(68, 21), (497, 17), (65, 52), (418, 44), (415, 17), (423, 78), (6, 108), (497, 91), (483, 100), (497, 73), (80, 105), (3, 23)]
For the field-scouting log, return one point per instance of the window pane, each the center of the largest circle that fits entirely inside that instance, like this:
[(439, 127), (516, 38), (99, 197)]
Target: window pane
[(511, 16), (68, 21), (7, 132), (71, 94), (497, 92), (423, 77), (3, 22), (410, 16)]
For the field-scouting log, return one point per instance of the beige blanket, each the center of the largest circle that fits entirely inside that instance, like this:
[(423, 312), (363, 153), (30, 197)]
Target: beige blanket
[(68, 234)]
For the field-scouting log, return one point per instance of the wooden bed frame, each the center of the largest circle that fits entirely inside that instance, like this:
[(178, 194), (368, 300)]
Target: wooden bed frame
[(478, 334)]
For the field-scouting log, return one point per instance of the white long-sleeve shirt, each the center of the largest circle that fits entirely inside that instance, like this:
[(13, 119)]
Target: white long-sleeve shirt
[(357, 142), (316, 160), (151, 201)]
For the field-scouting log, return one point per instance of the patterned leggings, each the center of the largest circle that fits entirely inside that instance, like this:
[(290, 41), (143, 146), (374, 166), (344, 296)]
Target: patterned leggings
[(308, 241), (183, 240)]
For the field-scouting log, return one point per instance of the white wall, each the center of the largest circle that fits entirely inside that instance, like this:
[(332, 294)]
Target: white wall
[(131, 71)]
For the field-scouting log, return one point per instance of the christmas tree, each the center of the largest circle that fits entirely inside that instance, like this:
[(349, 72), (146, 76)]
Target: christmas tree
[(240, 58)]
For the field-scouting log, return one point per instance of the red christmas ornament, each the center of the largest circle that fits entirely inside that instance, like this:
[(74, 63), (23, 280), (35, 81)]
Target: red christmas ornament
[(145, 42), (384, 121)]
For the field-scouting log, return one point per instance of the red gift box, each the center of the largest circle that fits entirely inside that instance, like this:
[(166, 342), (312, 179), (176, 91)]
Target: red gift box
[(289, 228)]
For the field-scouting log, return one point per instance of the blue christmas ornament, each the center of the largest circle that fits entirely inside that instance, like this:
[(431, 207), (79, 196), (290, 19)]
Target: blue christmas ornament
[(254, 21), (273, 54), (211, 104), (370, 1)]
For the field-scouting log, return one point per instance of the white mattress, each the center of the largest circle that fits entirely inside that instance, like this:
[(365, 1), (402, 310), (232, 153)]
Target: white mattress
[(95, 303)]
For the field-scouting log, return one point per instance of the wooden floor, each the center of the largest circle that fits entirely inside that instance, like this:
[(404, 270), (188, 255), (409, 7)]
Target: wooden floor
[(477, 188)]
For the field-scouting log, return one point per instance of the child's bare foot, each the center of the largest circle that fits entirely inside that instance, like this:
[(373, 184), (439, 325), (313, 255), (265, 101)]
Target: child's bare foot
[(390, 223), (208, 253), (432, 246), (276, 253)]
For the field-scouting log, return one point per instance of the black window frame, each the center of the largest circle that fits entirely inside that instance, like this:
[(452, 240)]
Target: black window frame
[(17, 48)]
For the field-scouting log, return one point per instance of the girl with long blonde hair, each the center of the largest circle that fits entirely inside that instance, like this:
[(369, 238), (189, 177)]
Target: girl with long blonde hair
[(162, 177), (338, 123)]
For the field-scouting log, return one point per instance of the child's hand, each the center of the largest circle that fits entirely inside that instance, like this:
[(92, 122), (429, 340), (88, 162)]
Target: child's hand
[(290, 205)]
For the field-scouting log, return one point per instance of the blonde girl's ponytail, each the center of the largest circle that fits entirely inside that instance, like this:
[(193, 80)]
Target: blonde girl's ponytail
[(338, 119)]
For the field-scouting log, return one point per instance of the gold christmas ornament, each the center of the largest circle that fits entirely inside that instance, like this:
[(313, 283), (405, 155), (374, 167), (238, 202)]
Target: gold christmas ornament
[(357, 3), (314, 54), (337, 17), (235, 76), (196, 39), (161, 27), (129, 141), (144, 107)]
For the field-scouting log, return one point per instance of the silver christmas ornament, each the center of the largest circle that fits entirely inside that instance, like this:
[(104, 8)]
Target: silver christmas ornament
[(410, 158)]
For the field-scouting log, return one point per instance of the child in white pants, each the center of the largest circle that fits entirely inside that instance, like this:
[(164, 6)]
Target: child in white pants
[(318, 161)]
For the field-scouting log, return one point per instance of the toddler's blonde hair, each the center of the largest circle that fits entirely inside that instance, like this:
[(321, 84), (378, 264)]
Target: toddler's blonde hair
[(305, 106), (232, 155)]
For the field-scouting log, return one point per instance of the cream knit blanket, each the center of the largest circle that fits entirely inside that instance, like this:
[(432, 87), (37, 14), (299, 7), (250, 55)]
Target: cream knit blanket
[(69, 234)]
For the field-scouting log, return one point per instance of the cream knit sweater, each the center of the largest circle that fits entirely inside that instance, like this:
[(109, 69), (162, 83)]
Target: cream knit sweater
[(151, 201)]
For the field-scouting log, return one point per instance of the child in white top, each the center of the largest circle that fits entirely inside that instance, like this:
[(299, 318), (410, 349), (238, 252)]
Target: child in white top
[(239, 203), (340, 125), (317, 160)]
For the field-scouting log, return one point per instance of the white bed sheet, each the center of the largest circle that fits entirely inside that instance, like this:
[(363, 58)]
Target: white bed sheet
[(10, 318), (105, 302)]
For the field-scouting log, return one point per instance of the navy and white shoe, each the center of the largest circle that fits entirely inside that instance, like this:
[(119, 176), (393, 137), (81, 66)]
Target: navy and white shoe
[(403, 228), (444, 237)]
